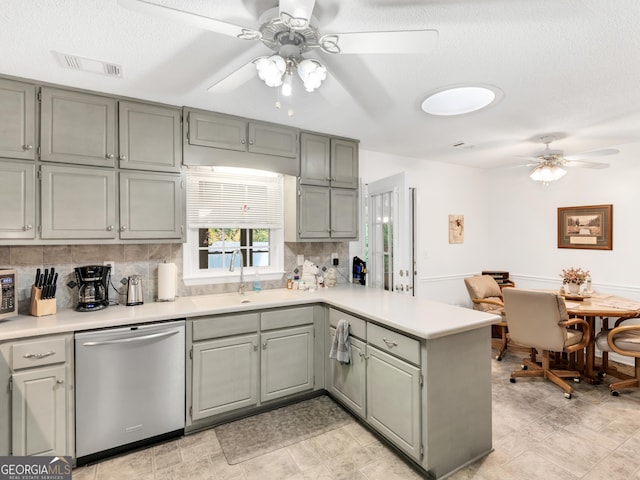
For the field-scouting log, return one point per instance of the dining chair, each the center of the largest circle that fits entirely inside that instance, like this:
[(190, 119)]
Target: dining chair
[(486, 295), (623, 339), (539, 319)]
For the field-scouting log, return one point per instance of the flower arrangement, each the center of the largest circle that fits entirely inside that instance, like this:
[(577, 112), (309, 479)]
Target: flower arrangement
[(574, 275)]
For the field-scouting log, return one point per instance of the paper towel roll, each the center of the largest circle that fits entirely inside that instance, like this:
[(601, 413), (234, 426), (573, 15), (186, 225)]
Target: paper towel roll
[(166, 281)]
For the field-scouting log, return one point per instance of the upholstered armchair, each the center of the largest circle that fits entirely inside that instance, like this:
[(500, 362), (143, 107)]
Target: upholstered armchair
[(486, 296), (540, 320), (624, 339)]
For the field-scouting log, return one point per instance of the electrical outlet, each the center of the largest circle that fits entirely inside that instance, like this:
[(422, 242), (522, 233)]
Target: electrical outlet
[(110, 263), (300, 259)]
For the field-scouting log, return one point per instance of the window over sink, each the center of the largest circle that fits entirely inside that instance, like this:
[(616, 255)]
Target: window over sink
[(233, 209)]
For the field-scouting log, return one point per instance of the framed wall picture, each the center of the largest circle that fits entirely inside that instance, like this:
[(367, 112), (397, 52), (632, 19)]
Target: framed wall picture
[(586, 227), (456, 228)]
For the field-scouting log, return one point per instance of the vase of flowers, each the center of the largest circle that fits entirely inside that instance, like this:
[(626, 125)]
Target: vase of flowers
[(572, 278)]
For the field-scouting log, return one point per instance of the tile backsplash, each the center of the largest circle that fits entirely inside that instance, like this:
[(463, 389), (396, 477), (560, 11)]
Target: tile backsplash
[(142, 259)]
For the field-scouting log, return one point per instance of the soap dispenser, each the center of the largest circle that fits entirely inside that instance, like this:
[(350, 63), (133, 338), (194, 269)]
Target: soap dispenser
[(256, 282)]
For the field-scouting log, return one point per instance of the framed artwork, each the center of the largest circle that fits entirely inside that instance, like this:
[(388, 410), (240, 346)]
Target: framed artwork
[(586, 227), (456, 228)]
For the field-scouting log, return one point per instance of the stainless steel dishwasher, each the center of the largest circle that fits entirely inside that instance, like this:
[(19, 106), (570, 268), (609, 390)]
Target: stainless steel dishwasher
[(130, 387)]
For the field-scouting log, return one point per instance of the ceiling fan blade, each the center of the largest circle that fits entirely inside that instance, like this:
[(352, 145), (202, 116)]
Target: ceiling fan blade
[(201, 21), (235, 79), (395, 42), (595, 153), (237, 72), (298, 12), (578, 163)]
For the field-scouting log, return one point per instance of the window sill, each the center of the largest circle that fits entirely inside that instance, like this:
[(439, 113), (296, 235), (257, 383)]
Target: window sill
[(226, 277)]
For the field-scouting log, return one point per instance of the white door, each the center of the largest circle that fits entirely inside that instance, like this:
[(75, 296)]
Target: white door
[(389, 235)]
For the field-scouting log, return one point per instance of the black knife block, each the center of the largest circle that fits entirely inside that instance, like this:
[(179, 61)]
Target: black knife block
[(40, 306)]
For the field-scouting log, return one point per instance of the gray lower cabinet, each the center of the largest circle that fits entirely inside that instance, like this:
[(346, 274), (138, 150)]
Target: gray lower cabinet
[(78, 202), (393, 400), (226, 374), (17, 195), (348, 382), (149, 137), (17, 120), (286, 362), (151, 206), (240, 361), (41, 414), (77, 128)]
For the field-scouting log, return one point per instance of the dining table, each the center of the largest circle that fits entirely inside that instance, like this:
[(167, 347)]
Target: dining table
[(591, 306)]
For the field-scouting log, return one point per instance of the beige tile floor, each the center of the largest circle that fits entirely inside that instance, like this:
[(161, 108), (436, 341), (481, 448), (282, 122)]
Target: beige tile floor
[(537, 434)]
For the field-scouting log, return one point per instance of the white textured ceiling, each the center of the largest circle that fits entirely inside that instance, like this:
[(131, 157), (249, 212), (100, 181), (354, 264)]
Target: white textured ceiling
[(567, 67)]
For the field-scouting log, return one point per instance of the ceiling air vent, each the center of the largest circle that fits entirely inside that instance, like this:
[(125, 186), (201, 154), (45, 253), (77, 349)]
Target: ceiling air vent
[(462, 145), (83, 64)]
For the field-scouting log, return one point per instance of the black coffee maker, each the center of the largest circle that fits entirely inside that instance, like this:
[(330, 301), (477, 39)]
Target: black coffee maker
[(93, 287)]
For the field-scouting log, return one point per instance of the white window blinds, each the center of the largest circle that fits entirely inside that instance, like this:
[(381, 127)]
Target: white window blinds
[(221, 199)]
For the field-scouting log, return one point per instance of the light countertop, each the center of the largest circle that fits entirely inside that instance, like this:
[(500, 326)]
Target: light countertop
[(422, 318)]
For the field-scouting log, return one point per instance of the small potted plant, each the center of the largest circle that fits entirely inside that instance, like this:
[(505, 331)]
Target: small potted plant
[(572, 278)]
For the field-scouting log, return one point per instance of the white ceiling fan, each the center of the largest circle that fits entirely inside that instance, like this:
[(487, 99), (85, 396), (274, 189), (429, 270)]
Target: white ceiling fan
[(290, 30), (549, 163)]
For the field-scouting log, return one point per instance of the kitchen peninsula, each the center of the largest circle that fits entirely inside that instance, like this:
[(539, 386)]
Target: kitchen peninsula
[(428, 361)]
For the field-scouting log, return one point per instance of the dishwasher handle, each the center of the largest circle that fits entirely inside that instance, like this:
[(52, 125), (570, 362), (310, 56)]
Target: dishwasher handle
[(131, 339)]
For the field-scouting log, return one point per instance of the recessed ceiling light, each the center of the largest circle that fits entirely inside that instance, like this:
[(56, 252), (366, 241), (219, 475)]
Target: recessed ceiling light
[(461, 99)]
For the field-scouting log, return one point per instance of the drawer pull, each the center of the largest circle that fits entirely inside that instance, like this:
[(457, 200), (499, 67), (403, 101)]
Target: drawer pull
[(390, 343), (363, 355), (39, 355)]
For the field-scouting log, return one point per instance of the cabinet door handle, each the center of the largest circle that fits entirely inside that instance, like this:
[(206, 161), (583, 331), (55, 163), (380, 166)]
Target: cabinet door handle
[(110, 228), (123, 228), (123, 158), (363, 355), (110, 156), (27, 147), (250, 142), (255, 347), (328, 179), (39, 355), (28, 227), (59, 382), (264, 345), (390, 343), (243, 141)]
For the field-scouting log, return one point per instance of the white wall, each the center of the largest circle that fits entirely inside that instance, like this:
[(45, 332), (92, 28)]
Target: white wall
[(441, 189), (511, 222), (523, 220)]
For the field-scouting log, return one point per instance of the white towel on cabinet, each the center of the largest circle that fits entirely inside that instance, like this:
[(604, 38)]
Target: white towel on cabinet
[(341, 347)]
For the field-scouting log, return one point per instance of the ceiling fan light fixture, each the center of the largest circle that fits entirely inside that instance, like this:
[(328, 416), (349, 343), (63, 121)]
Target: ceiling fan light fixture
[(547, 173), (312, 73), (271, 70), (458, 100)]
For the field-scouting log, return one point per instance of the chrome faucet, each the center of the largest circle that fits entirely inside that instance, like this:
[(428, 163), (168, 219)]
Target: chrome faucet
[(232, 266)]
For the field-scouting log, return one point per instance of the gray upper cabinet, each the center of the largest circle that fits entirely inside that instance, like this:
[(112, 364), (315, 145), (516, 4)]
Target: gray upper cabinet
[(344, 163), (217, 131), (77, 128), (344, 213), (315, 160), (151, 206), (214, 130), (271, 139), (314, 220), (78, 202), (326, 161), (17, 120), (149, 137), (17, 194)]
